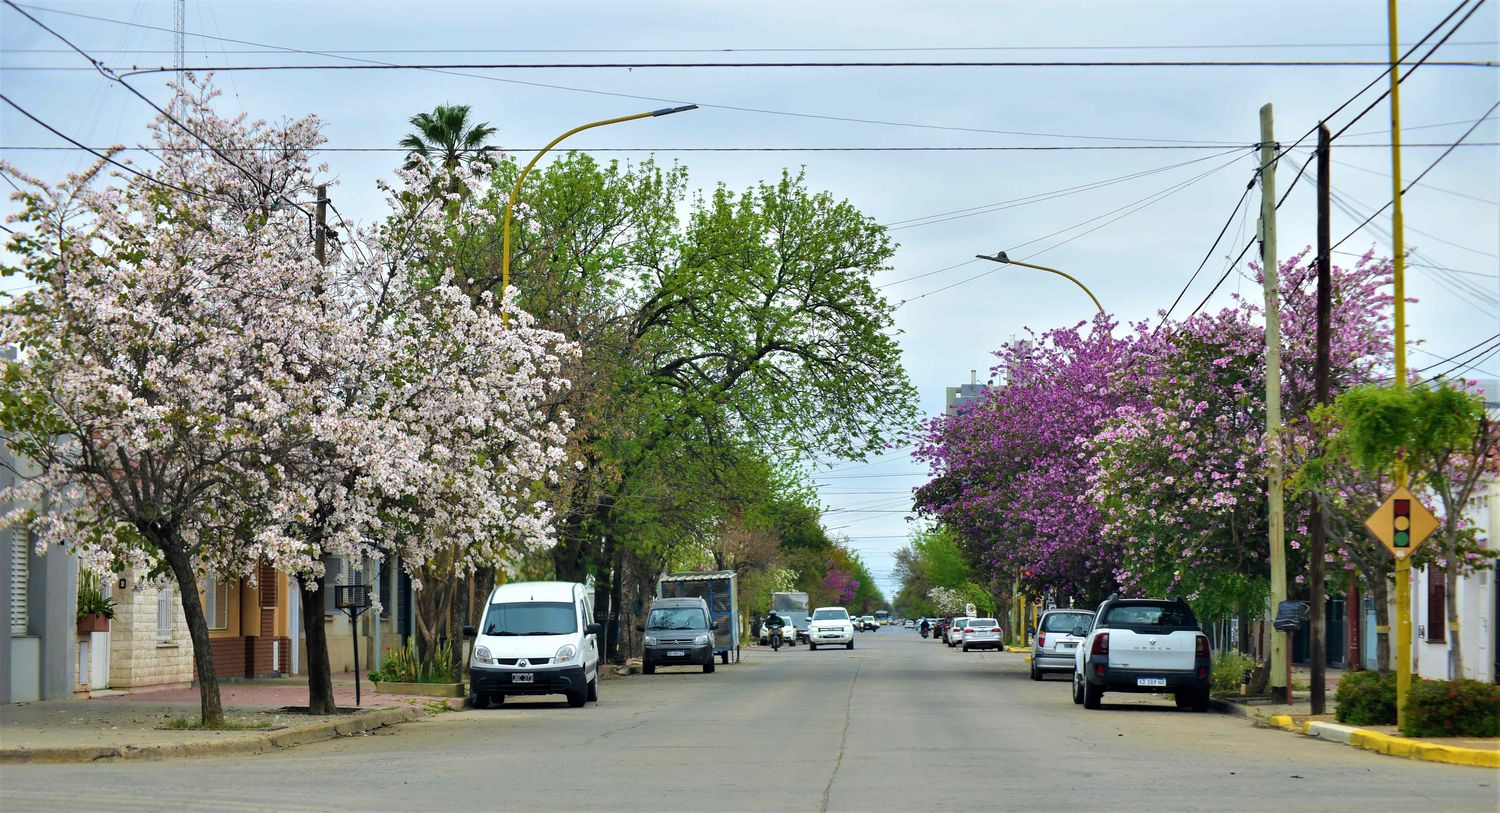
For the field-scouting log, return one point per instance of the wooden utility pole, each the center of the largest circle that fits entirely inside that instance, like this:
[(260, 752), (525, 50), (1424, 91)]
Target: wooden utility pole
[(1319, 542), (1276, 531)]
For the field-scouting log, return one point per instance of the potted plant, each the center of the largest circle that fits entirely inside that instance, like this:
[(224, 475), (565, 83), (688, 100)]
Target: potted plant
[(95, 609)]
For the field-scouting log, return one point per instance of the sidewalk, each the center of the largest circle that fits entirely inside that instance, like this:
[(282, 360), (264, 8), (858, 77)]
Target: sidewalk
[(1298, 717), (134, 726)]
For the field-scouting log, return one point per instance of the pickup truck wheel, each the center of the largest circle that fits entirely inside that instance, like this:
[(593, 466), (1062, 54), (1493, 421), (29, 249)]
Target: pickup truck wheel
[(1092, 695), (812, 647), (849, 645), (1077, 691)]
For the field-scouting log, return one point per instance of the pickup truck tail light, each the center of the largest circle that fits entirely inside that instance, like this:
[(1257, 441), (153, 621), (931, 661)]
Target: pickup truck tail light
[(1041, 639), (1101, 645), (1202, 651)]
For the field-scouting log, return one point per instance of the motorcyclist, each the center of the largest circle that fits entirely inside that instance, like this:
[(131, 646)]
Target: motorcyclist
[(926, 627), (774, 624)]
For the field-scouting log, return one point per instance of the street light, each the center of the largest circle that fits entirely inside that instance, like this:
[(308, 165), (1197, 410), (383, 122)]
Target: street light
[(1001, 258), (515, 192)]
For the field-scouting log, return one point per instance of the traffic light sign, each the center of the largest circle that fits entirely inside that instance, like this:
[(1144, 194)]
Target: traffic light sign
[(1402, 523)]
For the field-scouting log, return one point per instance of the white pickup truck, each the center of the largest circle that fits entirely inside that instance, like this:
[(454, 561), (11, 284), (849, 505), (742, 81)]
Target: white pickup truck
[(1143, 645)]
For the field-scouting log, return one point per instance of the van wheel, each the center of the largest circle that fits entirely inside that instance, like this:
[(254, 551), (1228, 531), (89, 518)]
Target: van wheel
[(648, 668), (593, 695), (497, 700), (479, 700), (708, 667), (577, 699)]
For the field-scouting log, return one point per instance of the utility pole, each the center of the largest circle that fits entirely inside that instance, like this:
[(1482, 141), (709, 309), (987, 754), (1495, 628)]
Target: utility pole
[(321, 236), (1280, 663), (1319, 541), (1403, 563)]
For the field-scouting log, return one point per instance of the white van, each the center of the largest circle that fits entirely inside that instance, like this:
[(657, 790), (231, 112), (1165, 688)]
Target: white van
[(536, 638)]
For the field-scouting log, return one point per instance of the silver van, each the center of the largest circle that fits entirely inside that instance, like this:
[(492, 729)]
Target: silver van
[(678, 633)]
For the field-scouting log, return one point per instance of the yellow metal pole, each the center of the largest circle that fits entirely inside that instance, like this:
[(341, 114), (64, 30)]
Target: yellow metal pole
[(1403, 564), (515, 191)]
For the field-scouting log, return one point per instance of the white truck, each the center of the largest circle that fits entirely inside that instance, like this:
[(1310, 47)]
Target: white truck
[(1143, 645)]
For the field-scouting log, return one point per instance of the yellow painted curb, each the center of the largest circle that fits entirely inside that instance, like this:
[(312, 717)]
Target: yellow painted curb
[(1018, 649), (1282, 721), (1425, 751)]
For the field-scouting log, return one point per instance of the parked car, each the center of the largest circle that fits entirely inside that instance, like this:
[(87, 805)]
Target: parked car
[(952, 636), (940, 627), (536, 638), (1059, 631), (1143, 645), (982, 633), (678, 633), (830, 626)]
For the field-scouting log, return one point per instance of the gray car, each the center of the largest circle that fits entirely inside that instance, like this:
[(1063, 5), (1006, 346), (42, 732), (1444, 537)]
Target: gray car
[(1059, 632), (678, 633)]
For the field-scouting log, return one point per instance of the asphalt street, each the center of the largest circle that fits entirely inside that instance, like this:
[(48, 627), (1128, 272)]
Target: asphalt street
[(899, 723)]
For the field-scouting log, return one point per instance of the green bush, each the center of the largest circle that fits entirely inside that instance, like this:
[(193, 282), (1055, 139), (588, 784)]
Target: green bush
[(1452, 708), (92, 598), (1229, 670), (1366, 698), (404, 665)]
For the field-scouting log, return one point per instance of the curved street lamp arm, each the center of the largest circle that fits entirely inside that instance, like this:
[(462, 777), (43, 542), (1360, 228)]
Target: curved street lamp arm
[(1001, 258)]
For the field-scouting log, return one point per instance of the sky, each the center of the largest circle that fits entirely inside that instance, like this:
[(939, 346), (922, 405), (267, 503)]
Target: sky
[(1135, 241)]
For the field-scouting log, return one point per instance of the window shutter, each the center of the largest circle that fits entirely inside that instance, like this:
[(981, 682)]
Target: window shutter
[(166, 618), (334, 568), (216, 603), (20, 576), (1437, 604)]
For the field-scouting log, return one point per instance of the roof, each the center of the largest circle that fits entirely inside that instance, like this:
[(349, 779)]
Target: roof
[(686, 601), (535, 591), (713, 575)]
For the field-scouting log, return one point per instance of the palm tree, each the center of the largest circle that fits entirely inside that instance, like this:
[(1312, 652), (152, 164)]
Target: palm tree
[(447, 134)]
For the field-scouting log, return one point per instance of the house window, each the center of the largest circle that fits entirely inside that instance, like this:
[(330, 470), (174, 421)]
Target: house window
[(333, 567), (20, 575), (166, 616), (1437, 605), (388, 576), (216, 603)]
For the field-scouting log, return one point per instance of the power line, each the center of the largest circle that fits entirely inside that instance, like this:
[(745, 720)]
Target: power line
[(1207, 255), (1218, 148), (109, 74)]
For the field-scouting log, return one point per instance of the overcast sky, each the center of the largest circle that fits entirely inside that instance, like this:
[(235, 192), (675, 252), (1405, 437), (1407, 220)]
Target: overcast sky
[(1135, 242)]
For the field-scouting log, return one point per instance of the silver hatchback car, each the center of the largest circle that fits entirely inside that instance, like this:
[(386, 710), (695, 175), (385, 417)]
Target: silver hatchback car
[(1056, 640)]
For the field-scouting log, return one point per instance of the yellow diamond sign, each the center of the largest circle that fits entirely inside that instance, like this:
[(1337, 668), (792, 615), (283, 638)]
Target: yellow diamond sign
[(1402, 523)]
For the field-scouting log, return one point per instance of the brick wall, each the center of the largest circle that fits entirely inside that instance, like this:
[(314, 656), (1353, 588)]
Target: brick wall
[(136, 658)]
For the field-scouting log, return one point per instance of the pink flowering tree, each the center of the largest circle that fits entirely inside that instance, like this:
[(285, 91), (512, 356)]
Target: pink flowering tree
[(1180, 476), (1010, 472), (842, 586)]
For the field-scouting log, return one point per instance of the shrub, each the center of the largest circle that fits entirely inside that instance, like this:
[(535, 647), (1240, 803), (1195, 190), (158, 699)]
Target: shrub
[(404, 665), (1366, 698), (1452, 708), (1229, 670), (92, 598)]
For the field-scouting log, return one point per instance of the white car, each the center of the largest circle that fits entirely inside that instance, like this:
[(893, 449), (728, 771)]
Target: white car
[(830, 626), (955, 634), (981, 633)]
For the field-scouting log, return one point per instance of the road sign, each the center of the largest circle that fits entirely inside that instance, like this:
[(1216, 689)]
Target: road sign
[(969, 610), (1402, 523)]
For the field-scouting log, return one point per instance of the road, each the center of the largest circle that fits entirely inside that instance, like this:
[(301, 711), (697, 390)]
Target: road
[(898, 723)]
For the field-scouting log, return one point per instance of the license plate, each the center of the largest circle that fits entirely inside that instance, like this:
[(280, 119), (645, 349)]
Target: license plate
[(675, 653), (523, 677), (1069, 645), (1150, 681)]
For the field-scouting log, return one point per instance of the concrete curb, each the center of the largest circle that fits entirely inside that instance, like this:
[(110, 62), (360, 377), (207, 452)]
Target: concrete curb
[(1372, 740), (342, 726)]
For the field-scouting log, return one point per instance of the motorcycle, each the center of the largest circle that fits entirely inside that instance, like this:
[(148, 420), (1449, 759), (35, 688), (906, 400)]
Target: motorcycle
[(775, 639), (924, 632)]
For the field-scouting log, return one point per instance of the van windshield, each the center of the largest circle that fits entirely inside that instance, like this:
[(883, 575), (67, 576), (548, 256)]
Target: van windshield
[(676, 618), (531, 618)]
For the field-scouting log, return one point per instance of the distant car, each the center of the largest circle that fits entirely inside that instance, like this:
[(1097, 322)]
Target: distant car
[(868, 623), (1059, 632), (953, 635), (830, 626), (982, 633), (1143, 645)]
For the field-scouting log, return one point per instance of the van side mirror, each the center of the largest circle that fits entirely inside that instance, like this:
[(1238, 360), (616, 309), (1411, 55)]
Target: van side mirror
[(470, 632), (593, 629)]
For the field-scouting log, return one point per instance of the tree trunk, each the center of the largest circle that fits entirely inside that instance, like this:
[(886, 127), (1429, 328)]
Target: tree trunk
[(211, 709), (319, 670), (456, 622), (1450, 598)]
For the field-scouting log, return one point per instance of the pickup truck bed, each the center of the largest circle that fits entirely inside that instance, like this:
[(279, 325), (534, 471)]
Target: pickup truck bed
[(1143, 645)]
